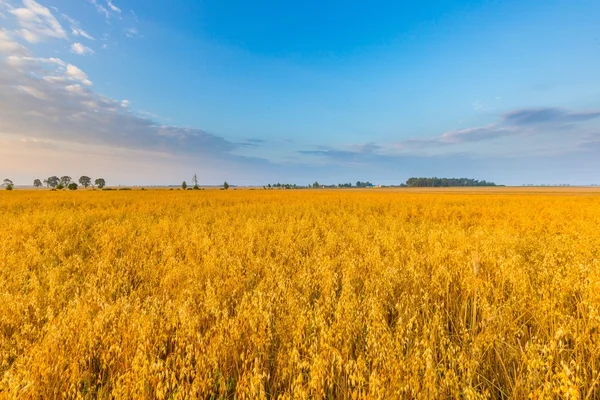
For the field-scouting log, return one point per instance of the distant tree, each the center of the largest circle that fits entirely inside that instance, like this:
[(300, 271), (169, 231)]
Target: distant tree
[(72, 186), (446, 182), (8, 184), (184, 185), (269, 186), (225, 185), (37, 183), (363, 184), (195, 181), (100, 182), (52, 182), (65, 180), (85, 181), (315, 185)]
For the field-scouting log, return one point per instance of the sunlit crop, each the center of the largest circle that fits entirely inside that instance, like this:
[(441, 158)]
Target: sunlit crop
[(299, 294)]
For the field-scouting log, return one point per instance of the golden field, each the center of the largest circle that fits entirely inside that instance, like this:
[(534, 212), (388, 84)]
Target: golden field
[(491, 293)]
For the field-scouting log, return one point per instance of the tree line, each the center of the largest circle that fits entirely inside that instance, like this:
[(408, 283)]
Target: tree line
[(317, 185), (64, 182), (446, 182)]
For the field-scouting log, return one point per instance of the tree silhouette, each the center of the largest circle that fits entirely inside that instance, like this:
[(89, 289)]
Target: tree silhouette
[(65, 181), (446, 182), (100, 182), (52, 182), (8, 184), (85, 181), (37, 183)]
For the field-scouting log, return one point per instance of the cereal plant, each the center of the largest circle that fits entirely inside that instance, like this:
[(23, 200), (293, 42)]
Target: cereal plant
[(380, 294)]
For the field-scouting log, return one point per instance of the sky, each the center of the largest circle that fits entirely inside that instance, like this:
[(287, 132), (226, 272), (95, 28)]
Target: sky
[(254, 92)]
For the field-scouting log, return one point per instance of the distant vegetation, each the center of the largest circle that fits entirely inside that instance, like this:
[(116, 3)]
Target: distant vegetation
[(446, 182), (66, 182), (317, 185), (7, 184)]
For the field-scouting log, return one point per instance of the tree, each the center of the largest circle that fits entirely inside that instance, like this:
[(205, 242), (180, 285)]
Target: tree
[(184, 185), (53, 182), (37, 183), (72, 186), (100, 182), (225, 185), (446, 182), (363, 184), (195, 181), (315, 185), (8, 184), (65, 181), (85, 181)]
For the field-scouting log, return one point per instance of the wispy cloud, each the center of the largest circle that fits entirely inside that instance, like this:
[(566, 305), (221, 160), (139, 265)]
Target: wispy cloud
[(539, 131), (538, 116), (50, 99), (80, 49), (132, 33), (80, 32), (113, 7), (9, 46), (107, 8), (100, 8), (37, 22), (76, 29), (75, 73)]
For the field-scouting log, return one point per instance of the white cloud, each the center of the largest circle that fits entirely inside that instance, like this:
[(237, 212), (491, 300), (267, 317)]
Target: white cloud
[(65, 110), (70, 20), (80, 49), (32, 62), (30, 36), (77, 89), (76, 28), (34, 92), (76, 74), (100, 8), (80, 32), (10, 46), (112, 6), (37, 22), (132, 33)]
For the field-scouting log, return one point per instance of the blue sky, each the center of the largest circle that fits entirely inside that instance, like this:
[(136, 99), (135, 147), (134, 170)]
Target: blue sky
[(151, 92)]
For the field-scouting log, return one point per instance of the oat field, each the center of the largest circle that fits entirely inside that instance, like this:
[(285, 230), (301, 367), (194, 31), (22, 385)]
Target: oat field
[(246, 294)]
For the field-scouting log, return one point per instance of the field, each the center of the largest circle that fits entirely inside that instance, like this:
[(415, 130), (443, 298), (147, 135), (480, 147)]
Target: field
[(491, 293)]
